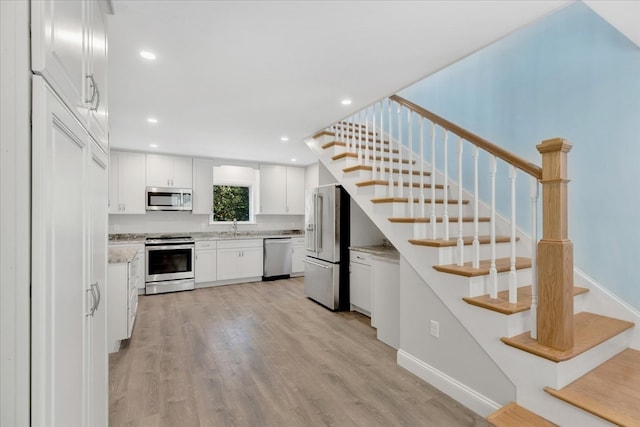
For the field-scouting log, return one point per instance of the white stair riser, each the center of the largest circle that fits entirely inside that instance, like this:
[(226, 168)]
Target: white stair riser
[(480, 285), (339, 149), (449, 255), (402, 210), (424, 230), (383, 191), (350, 161)]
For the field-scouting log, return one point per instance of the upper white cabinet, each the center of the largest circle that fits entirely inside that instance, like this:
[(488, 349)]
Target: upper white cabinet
[(69, 49), (126, 183), (202, 186), (169, 171), (281, 190)]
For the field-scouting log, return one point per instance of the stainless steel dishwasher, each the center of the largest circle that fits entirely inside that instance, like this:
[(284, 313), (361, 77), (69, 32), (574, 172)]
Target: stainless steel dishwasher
[(277, 258)]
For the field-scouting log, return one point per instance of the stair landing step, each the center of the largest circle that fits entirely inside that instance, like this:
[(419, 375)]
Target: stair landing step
[(610, 391), (467, 270), (387, 170), (385, 182), (427, 219), (502, 304), (512, 415), (453, 241), (415, 200), (343, 144), (371, 157), (589, 330)]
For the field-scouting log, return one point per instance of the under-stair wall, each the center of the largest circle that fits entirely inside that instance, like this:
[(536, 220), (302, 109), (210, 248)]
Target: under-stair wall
[(529, 374)]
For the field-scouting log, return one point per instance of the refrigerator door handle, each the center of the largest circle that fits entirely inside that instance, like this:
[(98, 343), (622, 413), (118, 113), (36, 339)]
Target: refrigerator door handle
[(316, 264), (319, 223)]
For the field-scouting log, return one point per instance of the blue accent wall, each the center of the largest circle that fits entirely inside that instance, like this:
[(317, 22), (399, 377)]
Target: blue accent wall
[(569, 75)]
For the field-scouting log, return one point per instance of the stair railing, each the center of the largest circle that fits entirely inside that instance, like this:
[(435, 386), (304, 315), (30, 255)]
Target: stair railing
[(552, 304)]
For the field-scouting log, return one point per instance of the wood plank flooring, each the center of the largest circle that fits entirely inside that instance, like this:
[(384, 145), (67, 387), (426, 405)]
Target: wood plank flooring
[(261, 354)]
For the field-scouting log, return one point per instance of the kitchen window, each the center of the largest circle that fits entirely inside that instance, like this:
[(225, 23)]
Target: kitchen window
[(234, 194)]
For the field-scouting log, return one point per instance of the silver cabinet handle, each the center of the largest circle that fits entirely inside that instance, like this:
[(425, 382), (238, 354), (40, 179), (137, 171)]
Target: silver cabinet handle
[(94, 90), (97, 99), (97, 288), (95, 299)]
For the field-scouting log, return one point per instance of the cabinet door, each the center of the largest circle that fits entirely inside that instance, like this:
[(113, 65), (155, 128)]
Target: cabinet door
[(251, 262), (227, 264), (272, 189), (60, 297), (360, 286), (57, 49), (202, 186), (295, 191), (297, 256), (131, 189), (205, 269), (97, 64), (182, 172), (98, 363), (159, 170)]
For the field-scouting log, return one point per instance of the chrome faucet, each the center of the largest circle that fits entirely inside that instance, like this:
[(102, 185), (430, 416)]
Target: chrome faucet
[(235, 227)]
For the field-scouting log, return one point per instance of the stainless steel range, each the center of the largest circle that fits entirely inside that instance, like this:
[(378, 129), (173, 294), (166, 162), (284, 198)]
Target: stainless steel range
[(170, 264)]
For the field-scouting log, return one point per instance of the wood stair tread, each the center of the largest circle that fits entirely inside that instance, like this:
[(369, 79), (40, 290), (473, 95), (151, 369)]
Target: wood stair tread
[(502, 304), (415, 200), (467, 270), (611, 391), (589, 330), (427, 219), (512, 415), (378, 168), (355, 156), (453, 241), (343, 144), (373, 182)]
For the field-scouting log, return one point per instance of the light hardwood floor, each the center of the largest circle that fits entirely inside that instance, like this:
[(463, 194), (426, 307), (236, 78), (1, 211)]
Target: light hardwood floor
[(261, 354)]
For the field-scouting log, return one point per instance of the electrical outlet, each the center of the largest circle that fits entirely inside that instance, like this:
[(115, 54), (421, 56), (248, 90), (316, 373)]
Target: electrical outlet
[(435, 329)]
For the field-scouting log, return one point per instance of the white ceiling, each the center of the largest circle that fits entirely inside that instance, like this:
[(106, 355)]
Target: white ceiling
[(233, 77)]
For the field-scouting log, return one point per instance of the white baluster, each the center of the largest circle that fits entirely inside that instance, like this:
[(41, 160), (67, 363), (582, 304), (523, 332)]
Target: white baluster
[(389, 162), (534, 258), (460, 242), (422, 203), (360, 152), (367, 159), (382, 172), (373, 161), (401, 148), (513, 275), (350, 141), (476, 225), (445, 202), (433, 182), (493, 272), (410, 146)]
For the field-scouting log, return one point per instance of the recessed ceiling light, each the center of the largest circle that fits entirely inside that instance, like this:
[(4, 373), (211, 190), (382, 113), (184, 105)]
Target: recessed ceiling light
[(153, 145), (346, 102), (284, 139), (147, 55), (293, 160), (152, 120)]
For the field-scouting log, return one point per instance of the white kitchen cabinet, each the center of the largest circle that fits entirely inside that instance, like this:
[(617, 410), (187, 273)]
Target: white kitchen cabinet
[(202, 186), (125, 276), (69, 200), (360, 282), (206, 260), (169, 171), (298, 253), (281, 190), (69, 49), (386, 300), (239, 259), (126, 183)]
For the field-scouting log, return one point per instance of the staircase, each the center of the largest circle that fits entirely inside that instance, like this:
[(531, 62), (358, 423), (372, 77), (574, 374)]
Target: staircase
[(485, 269)]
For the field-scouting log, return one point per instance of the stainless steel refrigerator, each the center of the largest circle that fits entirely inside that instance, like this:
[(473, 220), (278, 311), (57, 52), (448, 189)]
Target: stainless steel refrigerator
[(327, 219)]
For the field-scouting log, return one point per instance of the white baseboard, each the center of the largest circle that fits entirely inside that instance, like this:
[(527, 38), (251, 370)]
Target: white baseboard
[(470, 398)]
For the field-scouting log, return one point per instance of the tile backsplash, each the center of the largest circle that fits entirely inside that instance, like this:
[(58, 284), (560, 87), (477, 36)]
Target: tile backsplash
[(184, 222)]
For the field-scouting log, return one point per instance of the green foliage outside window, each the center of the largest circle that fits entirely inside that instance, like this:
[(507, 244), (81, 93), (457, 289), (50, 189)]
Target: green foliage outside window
[(230, 202)]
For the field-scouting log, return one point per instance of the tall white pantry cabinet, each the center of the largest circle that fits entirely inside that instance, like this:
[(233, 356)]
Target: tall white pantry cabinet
[(69, 365)]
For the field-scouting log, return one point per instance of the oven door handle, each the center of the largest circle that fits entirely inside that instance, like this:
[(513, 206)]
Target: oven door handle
[(170, 247)]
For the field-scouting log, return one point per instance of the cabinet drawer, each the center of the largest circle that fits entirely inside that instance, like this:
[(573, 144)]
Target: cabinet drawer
[(206, 244), (360, 257), (239, 244), (297, 241)]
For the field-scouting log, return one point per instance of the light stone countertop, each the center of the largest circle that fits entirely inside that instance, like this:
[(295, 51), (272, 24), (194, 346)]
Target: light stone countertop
[(119, 255), (115, 239), (381, 251)]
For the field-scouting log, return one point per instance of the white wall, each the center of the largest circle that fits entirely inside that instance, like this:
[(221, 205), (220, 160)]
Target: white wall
[(15, 206), (363, 231)]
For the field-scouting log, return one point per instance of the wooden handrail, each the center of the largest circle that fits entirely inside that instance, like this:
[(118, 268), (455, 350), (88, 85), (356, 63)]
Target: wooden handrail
[(518, 162)]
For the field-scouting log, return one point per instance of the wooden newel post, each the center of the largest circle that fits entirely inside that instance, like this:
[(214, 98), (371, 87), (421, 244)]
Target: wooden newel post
[(555, 250)]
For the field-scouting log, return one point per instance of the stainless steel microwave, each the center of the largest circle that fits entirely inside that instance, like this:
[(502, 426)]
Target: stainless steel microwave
[(168, 199)]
